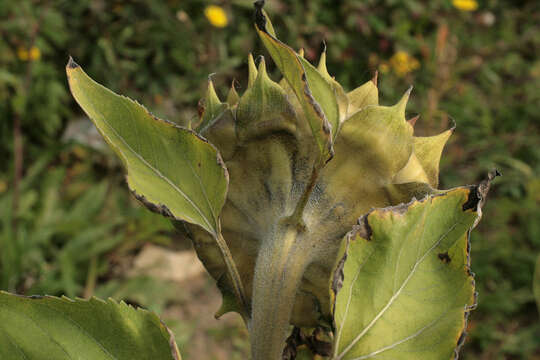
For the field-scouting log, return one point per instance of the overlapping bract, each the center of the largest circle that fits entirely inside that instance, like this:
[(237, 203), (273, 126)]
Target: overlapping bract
[(270, 140)]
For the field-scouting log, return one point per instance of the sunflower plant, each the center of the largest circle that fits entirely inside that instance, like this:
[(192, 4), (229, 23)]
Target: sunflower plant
[(316, 210)]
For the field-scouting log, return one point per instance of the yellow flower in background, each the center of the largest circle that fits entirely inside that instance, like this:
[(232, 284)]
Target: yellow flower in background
[(32, 54), (384, 68), (465, 5), (402, 63), (22, 54), (216, 16), (3, 186)]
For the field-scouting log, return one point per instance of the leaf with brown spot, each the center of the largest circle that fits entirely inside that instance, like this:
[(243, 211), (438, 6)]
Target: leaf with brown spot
[(415, 268)]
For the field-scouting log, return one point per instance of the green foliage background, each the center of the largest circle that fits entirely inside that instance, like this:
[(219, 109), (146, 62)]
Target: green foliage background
[(73, 221)]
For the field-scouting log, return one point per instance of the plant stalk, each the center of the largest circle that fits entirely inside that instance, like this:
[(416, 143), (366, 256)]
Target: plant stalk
[(278, 271)]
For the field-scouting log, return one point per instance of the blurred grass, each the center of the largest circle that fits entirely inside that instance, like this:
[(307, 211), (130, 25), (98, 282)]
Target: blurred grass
[(68, 225)]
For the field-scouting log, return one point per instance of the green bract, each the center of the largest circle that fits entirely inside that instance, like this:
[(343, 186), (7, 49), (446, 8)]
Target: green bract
[(270, 183)]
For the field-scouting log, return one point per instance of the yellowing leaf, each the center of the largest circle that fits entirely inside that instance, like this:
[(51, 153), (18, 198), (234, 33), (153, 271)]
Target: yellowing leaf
[(403, 283)]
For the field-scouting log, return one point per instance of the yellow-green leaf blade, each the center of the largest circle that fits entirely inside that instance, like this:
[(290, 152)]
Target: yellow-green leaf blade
[(406, 281), (170, 169), (59, 328)]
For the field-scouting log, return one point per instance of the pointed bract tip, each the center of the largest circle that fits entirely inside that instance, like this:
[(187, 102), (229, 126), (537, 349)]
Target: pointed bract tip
[(375, 78), (261, 69), (71, 63), (232, 96), (211, 94), (402, 104), (412, 121), (234, 84), (454, 124), (409, 90), (323, 46), (322, 64), (252, 70), (258, 61)]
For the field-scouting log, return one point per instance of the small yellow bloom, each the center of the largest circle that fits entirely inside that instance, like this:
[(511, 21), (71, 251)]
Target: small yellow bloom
[(216, 16), (3, 186), (402, 63), (384, 68), (22, 54), (465, 5), (34, 53)]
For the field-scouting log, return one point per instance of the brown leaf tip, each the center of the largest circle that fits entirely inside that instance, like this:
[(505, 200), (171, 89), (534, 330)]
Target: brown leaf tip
[(260, 19), (375, 78), (412, 121), (72, 64), (323, 46), (478, 194)]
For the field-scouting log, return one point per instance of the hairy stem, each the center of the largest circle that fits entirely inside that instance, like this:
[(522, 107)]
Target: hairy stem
[(279, 269)]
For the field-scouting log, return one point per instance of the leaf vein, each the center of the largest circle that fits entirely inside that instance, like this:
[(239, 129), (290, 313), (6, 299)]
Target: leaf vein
[(144, 161), (398, 292)]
